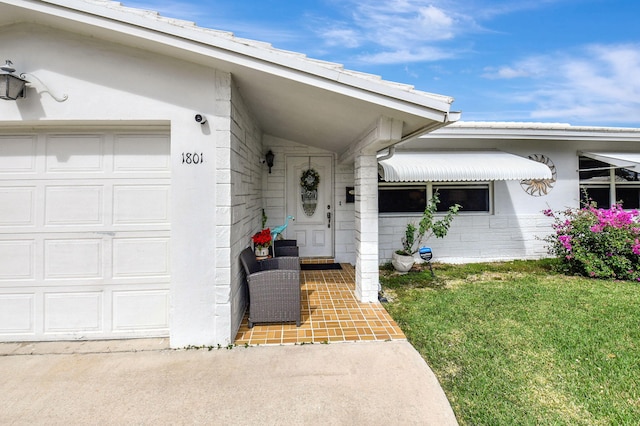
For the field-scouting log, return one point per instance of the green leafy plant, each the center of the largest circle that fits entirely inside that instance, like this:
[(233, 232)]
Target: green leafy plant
[(264, 219), (596, 243), (427, 226)]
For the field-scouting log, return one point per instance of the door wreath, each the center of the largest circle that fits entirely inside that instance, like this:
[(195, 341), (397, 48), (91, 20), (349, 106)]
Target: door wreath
[(309, 181)]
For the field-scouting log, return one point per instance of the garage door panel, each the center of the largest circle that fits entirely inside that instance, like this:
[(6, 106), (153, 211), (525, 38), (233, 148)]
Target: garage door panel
[(73, 259), (17, 205), (140, 257), (140, 309), (73, 312), (141, 204), (74, 205), (17, 314), (67, 153), (17, 260), (18, 154)]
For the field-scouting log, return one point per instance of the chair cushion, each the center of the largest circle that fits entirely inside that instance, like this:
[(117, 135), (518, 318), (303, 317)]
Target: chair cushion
[(287, 251), (281, 243), (285, 248)]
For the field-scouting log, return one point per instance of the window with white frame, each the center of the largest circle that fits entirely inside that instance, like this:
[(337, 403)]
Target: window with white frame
[(605, 184), (412, 198)]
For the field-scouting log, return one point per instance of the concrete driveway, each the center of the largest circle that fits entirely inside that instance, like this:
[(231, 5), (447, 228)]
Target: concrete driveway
[(144, 382)]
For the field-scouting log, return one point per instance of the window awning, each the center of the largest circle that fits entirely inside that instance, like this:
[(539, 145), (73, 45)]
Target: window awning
[(625, 160), (453, 166)]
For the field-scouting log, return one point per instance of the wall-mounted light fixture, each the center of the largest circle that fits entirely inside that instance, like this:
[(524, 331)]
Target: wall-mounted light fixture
[(269, 159), (12, 87)]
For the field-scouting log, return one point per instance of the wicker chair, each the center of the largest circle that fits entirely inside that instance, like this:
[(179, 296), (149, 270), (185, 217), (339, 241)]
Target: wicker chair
[(274, 288)]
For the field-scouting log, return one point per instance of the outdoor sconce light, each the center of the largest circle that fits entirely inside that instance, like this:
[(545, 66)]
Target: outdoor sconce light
[(269, 159), (12, 87)]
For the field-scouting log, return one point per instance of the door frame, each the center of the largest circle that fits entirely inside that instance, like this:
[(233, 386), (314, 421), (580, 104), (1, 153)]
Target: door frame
[(329, 195)]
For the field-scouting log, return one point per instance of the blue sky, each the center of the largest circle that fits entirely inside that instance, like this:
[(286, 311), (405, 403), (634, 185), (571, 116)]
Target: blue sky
[(569, 61)]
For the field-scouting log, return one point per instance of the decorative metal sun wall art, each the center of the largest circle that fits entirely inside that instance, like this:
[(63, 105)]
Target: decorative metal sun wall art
[(309, 182), (540, 187)]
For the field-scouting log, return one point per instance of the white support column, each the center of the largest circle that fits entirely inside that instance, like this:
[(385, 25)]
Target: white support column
[(383, 133), (366, 215)]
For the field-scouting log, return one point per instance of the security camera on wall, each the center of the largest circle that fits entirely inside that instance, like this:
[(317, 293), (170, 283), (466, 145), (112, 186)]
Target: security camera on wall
[(200, 118)]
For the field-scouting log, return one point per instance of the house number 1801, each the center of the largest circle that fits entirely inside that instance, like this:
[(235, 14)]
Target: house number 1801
[(192, 158)]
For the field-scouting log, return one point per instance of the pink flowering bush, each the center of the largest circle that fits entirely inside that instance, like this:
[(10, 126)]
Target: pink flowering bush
[(598, 243)]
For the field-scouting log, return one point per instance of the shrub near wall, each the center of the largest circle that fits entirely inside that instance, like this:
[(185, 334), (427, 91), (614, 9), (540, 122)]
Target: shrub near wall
[(598, 243)]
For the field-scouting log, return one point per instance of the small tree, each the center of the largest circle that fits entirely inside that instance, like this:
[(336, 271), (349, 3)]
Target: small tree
[(427, 226)]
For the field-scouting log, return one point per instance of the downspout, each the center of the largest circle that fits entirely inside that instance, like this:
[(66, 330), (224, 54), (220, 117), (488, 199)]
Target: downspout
[(389, 154), (392, 150), (449, 117)]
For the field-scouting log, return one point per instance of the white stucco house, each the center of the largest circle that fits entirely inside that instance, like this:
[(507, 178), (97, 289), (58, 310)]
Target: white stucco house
[(121, 215), (132, 171), (480, 165)]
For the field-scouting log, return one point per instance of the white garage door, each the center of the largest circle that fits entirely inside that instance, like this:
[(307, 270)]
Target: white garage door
[(84, 235)]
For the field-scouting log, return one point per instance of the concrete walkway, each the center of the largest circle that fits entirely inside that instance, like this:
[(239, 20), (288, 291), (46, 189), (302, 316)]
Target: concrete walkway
[(144, 382)]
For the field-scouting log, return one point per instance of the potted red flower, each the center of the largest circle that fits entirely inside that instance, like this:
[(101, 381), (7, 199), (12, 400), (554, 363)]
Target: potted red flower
[(261, 242)]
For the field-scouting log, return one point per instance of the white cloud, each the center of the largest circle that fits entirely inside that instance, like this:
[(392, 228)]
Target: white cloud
[(506, 72), (413, 30), (532, 67), (601, 84), (413, 22), (396, 31), (432, 17), (344, 37), (423, 54)]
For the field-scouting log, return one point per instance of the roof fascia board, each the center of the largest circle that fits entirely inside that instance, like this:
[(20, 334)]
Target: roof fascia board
[(197, 40), (595, 134)]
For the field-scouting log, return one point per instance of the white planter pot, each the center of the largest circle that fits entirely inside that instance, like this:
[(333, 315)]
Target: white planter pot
[(402, 263), (262, 251)]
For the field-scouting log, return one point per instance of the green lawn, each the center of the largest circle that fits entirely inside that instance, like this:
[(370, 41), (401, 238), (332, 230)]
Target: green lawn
[(515, 343)]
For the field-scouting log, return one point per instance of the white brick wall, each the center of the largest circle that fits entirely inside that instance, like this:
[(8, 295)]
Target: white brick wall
[(366, 224), (243, 217), (474, 238), (274, 192), (345, 243), (224, 212)]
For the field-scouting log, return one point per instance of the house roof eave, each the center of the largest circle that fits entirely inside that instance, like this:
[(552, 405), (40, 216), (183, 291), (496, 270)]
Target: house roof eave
[(258, 69), (149, 25), (537, 131)]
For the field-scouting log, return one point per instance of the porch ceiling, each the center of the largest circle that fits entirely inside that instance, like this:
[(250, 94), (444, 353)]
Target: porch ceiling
[(293, 97), (314, 116)]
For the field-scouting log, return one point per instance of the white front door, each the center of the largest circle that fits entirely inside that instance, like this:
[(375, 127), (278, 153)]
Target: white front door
[(313, 209)]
